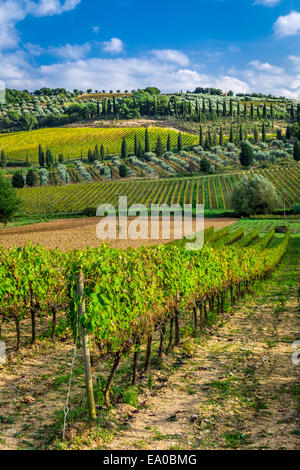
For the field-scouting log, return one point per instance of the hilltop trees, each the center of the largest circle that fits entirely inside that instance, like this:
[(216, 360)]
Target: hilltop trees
[(9, 202)]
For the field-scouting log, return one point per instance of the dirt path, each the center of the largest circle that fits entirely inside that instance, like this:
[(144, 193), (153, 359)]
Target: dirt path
[(240, 389)]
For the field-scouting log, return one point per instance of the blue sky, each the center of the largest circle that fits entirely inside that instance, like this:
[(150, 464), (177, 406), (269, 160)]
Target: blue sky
[(243, 45)]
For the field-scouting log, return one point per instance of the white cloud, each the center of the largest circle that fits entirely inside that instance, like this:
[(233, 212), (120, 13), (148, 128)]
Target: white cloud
[(267, 3), (295, 61), (96, 29), (288, 25), (70, 52), (266, 67), (50, 7), (132, 73), (13, 11), (113, 46), (170, 55)]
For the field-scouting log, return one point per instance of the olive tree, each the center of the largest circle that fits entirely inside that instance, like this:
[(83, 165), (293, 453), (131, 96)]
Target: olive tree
[(254, 195)]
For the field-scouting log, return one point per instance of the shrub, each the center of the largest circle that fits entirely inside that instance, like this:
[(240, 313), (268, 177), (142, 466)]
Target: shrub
[(89, 212), (18, 180), (254, 195), (9, 202), (296, 209)]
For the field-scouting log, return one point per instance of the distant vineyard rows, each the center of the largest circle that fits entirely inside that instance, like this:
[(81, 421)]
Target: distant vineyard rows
[(212, 191)]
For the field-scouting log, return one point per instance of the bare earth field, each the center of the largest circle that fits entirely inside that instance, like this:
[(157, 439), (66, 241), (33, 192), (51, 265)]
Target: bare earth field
[(68, 234)]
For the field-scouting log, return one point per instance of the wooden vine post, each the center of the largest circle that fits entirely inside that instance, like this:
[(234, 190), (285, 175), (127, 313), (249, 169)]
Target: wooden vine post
[(86, 351)]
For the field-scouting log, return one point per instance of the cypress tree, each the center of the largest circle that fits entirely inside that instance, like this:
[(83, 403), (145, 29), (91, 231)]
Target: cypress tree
[(224, 109), (238, 109), (288, 133), (41, 156), (264, 136), (255, 134), (241, 133), (264, 111), (201, 136), (246, 156), (140, 152), (179, 142), (49, 158), (90, 156), (135, 144), (159, 149), (115, 108), (147, 142), (296, 150), (221, 140), (231, 137), (3, 159), (231, 108), (96, 153), (169, 143), (102, 152), (124, 150), (252, 111)]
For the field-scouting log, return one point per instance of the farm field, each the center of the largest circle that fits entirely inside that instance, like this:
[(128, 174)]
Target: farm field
[(213, 191), (246, 381), (73, 142), (79, 233)]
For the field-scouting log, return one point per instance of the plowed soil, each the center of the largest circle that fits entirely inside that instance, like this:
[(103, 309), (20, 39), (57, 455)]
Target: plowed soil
[(68, 234)]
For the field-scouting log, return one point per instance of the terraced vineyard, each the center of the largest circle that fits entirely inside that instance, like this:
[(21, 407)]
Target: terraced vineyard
[(73, 142), (212, 191)]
